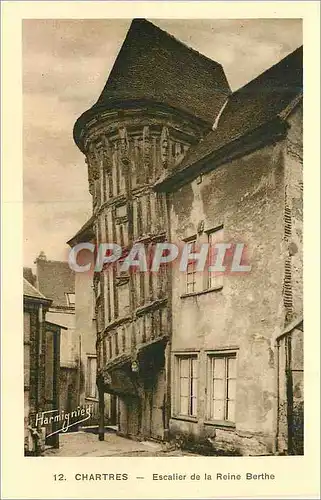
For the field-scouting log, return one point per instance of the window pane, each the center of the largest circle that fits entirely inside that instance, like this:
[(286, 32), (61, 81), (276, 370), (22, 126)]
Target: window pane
[(190, 266), (184, 385), (194, 407), (231, 383), (71, 299), (231, 411), (192, 246), (184, 406), (231, 367), (223, 387), (194, 387), (184, 367), (218, 389), (219, 368), (218, 410), (194, 367)]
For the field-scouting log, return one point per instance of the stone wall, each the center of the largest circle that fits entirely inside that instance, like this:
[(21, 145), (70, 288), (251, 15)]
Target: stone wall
[(244, 315)]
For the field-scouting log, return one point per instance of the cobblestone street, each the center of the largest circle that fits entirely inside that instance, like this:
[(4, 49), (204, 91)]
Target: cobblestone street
[(86, 444)]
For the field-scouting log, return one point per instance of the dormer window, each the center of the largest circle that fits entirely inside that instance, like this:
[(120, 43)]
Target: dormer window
[(71, 300)]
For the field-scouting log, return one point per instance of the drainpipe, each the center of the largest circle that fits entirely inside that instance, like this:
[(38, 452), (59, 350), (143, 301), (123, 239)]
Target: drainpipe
[(39, 367), (79, 369), (39, 401)]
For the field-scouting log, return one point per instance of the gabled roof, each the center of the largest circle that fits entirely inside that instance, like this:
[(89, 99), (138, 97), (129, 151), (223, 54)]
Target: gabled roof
[(30, 291), (250, 107), (85, 233), (154, 66), (55, 279)]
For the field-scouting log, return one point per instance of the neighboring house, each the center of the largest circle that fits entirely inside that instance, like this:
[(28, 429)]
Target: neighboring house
[(86, 331), (41, 368), (173, 155), (56, 281)]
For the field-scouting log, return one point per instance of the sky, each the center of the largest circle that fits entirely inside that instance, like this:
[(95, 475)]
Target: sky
[(65, 66)]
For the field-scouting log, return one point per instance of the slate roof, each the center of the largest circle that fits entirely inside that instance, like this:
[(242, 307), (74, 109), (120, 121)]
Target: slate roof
[(28, 274), (153, 65), (30, 291), (252, 106), (55, 279)]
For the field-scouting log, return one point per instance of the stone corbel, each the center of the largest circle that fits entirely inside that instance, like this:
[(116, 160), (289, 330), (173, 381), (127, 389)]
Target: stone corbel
[(107, 163), (94, 163)]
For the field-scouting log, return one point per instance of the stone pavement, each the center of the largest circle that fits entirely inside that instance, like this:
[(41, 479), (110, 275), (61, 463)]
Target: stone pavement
[(86, 444)]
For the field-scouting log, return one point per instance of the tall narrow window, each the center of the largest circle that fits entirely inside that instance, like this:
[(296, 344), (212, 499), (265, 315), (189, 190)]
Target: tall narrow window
[(91, 386), (222, 387), (187, 386), (214, 278), (191, 269)]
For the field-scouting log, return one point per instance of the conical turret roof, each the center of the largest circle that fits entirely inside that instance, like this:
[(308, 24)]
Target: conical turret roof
[(154, 66)]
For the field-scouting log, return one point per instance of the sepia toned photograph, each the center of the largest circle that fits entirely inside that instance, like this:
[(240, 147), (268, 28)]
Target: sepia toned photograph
[(163, 237)]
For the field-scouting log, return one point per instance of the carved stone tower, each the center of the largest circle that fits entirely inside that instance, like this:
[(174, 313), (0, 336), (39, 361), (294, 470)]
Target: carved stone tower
[(161, 98)]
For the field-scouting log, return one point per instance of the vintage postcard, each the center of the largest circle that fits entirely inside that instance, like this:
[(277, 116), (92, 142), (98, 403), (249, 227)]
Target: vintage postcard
[(159, 315)]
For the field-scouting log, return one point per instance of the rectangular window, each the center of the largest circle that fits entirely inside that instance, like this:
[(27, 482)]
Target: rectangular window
[(221, 387), (214, 278), (187, 380), (91, 387), (191, 269)]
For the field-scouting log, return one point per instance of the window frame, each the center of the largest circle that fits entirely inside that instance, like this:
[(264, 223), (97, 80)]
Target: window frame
[(212, 282), (177, 386), (192, 240), (69, 303), (211, 356)]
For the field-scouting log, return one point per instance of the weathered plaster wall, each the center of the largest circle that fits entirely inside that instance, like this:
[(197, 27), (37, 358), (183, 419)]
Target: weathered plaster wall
[(86, 332), (247, 197), (290, 411)]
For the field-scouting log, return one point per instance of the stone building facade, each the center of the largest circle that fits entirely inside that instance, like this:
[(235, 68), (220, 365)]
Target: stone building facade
[(173, 155), (85, 328), (41, 368), (56, 281)]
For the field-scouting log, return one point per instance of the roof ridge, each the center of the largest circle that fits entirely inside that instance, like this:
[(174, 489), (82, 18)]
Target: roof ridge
[(35, 289), (266, 71), (250, 110), (177, 40)]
